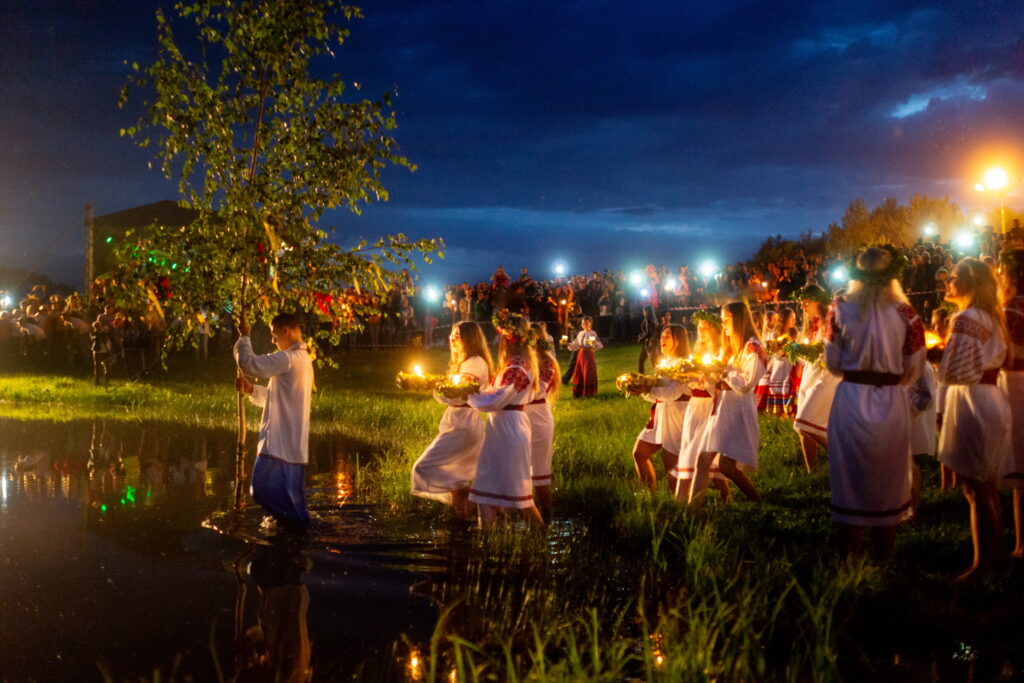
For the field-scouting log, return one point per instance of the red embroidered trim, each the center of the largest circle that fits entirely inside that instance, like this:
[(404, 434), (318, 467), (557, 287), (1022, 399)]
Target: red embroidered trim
[(914, 340), (966, 326), (499, 496)]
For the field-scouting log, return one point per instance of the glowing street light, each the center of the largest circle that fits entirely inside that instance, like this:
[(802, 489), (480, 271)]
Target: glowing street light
[(6, 301), (431, 293), (840, 274), (979, 220), (929, 230), (670, 285), (636, 278), (645, 293), (560, 268), (996, 179), (708, 269)]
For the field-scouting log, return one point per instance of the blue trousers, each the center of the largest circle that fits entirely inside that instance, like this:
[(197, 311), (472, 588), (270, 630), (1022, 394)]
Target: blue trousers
[(280, 488)]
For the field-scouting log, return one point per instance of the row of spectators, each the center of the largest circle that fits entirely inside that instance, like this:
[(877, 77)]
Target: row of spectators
[(59, 332)]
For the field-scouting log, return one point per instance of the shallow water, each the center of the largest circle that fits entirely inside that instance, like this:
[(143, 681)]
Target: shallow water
[(114, 553)]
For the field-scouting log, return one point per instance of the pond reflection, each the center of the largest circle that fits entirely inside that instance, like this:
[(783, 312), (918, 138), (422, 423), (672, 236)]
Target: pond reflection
[(115, 551)]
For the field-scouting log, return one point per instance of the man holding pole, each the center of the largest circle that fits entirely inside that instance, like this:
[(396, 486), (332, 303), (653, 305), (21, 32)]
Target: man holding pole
[(279, 475)]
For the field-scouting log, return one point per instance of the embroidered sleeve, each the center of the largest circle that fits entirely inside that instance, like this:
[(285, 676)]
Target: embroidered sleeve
[(831, 325), (962, 360), (515, 376)]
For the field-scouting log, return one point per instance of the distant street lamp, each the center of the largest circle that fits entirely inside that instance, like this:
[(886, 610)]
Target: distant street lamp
[(560, 268), (708, 269), (996, 179), (636, 278), (929, 230), (979, 220)]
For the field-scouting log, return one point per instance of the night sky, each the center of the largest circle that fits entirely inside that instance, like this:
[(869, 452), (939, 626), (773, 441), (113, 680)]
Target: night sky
[(606, 134)]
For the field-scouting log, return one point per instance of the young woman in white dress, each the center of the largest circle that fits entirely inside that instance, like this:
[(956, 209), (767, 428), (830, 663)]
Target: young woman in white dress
[(709, 343), (503, 477), (876, 340), (445, 470), (1012, 382), (542, 420), (817, 384), (670, 399), (975, 441), (732, 431)]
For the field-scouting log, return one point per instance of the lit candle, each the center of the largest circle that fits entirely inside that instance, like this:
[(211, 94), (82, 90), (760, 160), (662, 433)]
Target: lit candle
[(417, 370), (707, 359), (456, 378)]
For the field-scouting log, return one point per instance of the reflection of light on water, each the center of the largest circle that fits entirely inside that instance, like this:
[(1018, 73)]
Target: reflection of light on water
[(3, 490), (452, 677), (344, 481), (415, 666)]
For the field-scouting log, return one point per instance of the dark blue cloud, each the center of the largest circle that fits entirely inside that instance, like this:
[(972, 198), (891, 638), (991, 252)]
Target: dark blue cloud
[(598, 132)]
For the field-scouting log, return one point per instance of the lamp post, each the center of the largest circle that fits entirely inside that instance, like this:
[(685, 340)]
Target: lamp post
[(996, 180)]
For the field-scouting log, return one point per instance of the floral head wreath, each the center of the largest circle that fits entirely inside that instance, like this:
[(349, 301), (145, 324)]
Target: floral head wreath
[(896, 265), (710, 317), (508, 325), (814, 293), (540, 342)]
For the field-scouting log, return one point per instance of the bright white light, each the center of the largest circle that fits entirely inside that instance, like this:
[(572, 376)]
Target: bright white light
[(979, 187), (964, 240), (6, 301), (431, 293), (560, 268), (670, 285), (840, 274), (636, 278), (708, 269), (645, 292), (929, 230), (996, 178), (979, 220)]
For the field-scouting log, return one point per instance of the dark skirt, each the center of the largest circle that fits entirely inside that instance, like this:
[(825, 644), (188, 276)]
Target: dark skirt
[(584, 376), (280, 488)]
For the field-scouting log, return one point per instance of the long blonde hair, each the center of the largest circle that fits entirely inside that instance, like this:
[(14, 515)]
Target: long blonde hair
[(870, 294), (472, 344), (522, 348), (976, 280), (742, 326), (546, 354)]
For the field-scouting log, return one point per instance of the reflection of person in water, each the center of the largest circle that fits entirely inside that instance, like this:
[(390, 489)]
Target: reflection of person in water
[(277, 647), (279, 475)]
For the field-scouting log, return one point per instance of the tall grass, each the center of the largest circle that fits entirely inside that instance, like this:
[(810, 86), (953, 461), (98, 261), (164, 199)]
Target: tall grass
[(624, 583)]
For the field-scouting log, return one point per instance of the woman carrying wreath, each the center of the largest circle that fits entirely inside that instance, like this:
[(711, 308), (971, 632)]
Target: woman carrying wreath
[(542, 420), (584, 377), (875, 339), (503, 476), (445, 470)]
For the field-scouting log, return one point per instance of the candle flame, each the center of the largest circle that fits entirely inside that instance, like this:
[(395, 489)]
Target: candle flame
[(456, 378), (417, 370), (931, 340), (707, 359)]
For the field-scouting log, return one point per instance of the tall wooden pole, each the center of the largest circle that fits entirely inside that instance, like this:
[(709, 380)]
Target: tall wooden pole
[(90, 265)]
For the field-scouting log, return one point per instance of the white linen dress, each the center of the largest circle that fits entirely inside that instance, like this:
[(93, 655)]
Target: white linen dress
[(698, 412), (503, 477), (817, 389), (449, 462), (869, 425), (732, 430), (975, 441), (542, 426)]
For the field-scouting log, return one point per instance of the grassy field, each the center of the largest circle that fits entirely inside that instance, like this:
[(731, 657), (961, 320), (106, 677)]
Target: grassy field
[(626, 584)]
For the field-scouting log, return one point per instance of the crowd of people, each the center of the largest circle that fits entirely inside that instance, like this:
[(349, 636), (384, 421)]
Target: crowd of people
[(877, 397)]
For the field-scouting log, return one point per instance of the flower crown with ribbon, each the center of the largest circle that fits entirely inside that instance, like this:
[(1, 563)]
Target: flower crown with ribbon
[(896, 265)]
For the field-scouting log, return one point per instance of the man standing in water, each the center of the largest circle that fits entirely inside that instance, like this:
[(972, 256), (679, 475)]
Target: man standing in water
[(279, 475)]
